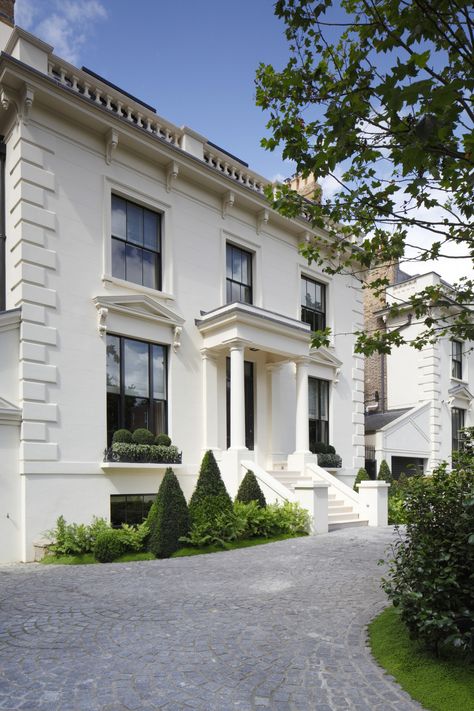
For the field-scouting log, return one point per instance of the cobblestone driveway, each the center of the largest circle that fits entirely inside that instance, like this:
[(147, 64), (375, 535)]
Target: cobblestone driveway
[(277, 628)]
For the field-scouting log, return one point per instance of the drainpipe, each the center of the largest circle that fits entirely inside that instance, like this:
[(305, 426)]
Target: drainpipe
[(3, 238)]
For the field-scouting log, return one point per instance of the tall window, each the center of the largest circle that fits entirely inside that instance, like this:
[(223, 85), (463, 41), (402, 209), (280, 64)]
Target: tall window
[(457, 424), (456, 359), (318, 411), (136, 385), (313, 303), (239, 275), (136, 243)]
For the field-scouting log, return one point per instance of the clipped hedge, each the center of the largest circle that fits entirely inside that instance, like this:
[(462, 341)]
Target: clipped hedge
[(328, 459), (323, 448), (143, 453), (168, 519), (249, 490), (210, 498)]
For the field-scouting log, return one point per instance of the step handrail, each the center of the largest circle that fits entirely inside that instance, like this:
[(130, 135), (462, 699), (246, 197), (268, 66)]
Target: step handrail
[(321, 474)]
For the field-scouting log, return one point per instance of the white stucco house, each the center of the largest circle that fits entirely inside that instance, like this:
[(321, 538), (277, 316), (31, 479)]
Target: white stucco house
[(418, 400), (146, 282)]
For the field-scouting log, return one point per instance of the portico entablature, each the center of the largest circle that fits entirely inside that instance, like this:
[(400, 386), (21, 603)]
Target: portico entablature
[(257, 328)]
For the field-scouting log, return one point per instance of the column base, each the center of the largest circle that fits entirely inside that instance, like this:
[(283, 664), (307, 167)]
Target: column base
[(298, 460)]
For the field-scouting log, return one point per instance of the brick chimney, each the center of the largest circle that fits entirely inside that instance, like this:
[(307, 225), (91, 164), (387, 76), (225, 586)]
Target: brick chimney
[(7, 12), (307, 187)]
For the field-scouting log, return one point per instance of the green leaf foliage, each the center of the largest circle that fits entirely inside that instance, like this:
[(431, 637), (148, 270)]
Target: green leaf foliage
[(384, 472), (122, 436), (143, 436), (431, 573), (143, 453), (377, 96), (210, 497), (108, 545), (361, 476), (249, 490), (168, 519)]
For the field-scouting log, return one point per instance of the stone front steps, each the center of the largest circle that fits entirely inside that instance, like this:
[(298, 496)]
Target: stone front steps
[(340, 513)]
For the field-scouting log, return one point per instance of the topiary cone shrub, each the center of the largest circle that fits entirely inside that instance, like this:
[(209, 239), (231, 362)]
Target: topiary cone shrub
[(361, 476), (168, 518), (210, 498), (249, 490), (384, 472)]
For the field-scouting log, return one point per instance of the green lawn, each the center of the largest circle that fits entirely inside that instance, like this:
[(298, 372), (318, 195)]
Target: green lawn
[(89, 559), (438, 684)]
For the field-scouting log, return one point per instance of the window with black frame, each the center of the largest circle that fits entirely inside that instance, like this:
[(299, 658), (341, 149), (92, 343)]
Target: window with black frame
[(129, 508), (238, 275), (313, 303), (456, 359), (136, 385), (457, 425), (318, 415), (136, 243)]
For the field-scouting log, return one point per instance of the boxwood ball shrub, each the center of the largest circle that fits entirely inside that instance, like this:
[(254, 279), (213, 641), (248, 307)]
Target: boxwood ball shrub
[(122, 436), (168, 518), (361, 476), (210, 498), (108, 545), (249, 490), (143, 436), (163, 439)]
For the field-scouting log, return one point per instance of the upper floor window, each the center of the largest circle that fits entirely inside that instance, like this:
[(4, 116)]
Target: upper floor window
[(239, 275), (313, 303), (456, 359), (136, 243), (136, 385), (457, 425)]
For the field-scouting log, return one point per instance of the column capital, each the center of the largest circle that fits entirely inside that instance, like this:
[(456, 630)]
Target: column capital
[(208, 354), (302, 361), (237, 344)]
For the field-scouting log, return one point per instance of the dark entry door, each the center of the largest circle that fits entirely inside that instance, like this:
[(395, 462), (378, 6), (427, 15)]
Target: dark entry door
[(249, 395)]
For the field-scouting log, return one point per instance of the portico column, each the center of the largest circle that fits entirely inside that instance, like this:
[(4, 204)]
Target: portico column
[(209, 401), (302, 406), (237, 396)]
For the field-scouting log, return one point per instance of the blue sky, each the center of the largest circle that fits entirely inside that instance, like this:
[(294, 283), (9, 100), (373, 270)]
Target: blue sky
[(194, 61)]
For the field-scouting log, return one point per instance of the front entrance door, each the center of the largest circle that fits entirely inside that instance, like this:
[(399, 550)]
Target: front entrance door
[(249, 403)]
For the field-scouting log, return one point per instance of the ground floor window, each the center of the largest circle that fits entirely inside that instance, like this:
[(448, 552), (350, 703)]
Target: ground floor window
[(318, 393), (457, 424), (408, 466), (129, 508), (136, 385)]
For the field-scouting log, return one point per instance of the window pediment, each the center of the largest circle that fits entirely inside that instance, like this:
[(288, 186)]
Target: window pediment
[(139, 306), (325, 357)]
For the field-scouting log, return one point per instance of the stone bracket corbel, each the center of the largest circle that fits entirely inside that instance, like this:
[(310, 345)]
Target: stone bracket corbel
[(27, 98), (6, 99), (172, 171), (262, 219), (228, 200), (111, 143), (306, 236), (177, 331), (102, 314)]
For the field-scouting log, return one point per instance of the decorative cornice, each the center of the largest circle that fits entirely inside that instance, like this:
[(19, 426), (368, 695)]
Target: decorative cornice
[(137, 306)]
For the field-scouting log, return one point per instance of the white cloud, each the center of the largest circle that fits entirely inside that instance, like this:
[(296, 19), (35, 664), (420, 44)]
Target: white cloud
[(66, 24)]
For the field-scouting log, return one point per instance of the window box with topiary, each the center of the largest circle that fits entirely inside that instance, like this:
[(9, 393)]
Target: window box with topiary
[(327, 456), (142, 447)]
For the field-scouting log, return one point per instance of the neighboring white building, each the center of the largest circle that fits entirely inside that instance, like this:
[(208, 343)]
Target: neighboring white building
[(147, 282), (428, 394)]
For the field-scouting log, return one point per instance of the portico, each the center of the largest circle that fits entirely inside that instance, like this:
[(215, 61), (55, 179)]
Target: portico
[(279, 348)]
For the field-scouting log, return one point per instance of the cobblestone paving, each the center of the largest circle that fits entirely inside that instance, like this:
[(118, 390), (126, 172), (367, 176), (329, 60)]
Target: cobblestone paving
[(271, 628)]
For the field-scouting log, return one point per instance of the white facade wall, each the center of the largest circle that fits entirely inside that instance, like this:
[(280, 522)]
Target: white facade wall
[(59, 187)]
